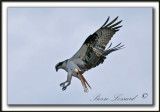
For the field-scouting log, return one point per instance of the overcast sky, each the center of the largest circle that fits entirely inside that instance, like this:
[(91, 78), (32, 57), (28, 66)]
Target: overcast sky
[(39, 38)]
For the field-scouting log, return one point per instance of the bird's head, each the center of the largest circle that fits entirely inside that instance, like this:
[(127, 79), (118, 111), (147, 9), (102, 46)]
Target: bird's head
[(60, 65)]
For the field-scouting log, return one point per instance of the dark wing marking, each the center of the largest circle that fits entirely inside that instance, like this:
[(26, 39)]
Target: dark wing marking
[(108, 51), (91, 52)]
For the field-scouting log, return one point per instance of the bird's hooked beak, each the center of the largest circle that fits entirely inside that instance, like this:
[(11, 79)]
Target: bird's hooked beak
[(56, 67)]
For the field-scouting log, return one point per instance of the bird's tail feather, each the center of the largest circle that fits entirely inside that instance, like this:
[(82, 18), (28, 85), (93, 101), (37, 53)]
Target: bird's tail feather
[(109, 50), (84, 82)]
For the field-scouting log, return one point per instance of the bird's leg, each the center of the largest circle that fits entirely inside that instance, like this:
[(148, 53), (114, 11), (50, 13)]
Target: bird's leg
[(63, 84), (69, 77)]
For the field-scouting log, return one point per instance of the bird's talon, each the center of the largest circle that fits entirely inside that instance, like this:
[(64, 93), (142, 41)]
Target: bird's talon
[(64, 88), (62, 85)]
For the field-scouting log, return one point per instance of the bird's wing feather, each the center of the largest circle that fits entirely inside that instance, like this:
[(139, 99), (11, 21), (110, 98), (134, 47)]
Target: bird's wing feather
[(91, 52)]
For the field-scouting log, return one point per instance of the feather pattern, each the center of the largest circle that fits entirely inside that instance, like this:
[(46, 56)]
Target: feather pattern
[(92, 52)]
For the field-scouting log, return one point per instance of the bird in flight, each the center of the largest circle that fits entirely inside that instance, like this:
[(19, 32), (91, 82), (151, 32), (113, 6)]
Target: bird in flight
[(91, 54)]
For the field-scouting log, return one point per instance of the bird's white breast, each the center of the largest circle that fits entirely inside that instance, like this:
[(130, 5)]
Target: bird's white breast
[(71, 68)]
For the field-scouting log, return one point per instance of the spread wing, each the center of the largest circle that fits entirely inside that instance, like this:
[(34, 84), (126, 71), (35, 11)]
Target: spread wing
[(91, 52)]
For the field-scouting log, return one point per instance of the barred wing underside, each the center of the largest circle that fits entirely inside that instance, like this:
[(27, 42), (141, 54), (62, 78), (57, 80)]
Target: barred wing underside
[(91, 52)]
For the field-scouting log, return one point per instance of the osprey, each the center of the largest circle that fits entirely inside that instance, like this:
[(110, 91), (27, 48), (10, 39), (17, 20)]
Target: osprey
[(91, 54)]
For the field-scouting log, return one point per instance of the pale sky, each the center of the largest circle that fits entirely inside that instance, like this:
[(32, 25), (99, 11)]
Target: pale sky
[(39, 38)]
